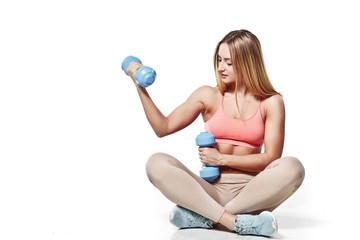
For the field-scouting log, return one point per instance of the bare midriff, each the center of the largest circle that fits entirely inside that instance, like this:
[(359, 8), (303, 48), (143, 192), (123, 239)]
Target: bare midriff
[(237, 151)]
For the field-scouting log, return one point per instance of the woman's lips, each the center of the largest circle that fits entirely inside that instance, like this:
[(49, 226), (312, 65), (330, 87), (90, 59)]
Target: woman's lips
[(224, 75)]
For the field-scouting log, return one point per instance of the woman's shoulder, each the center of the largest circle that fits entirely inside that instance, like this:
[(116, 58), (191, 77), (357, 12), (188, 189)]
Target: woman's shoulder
[(206, 92), (208, 96), (208, 89), (273, 104), (274, 100)]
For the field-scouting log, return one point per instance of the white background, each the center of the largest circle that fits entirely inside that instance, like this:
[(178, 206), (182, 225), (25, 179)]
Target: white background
[(74, 139)]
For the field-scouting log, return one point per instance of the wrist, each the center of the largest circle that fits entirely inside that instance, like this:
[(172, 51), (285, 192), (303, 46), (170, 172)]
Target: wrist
[(139, 88), (222, 160)]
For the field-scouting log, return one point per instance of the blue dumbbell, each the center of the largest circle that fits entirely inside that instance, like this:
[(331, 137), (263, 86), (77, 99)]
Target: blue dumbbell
[(145, 76), (208, 173)]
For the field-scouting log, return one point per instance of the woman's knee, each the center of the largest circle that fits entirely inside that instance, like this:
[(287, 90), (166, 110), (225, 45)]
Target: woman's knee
[(295, 170), (156, 164), (153, 162)]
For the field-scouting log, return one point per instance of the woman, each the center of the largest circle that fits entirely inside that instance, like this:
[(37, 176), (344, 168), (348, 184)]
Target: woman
[(244, 112)]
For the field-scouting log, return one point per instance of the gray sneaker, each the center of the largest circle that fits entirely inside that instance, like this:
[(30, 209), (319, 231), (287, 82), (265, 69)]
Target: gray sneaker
[(264, 224), (184, 218)]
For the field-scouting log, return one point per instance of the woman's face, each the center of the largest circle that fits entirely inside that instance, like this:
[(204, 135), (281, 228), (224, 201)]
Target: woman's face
[(225, 65)]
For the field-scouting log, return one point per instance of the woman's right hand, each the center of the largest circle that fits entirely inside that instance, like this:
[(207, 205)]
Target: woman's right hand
[(131, 70)]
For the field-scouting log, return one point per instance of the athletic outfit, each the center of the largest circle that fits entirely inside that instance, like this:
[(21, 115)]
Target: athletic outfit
[(237, 193), (246, 133)]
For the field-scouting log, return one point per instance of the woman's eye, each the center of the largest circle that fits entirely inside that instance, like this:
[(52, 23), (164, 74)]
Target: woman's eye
[(228, 63)]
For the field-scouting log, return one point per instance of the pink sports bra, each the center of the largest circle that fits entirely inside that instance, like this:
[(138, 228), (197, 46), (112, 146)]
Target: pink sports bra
[(239, 132)]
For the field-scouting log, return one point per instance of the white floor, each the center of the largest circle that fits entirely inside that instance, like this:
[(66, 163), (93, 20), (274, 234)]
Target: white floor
[(293, 225)]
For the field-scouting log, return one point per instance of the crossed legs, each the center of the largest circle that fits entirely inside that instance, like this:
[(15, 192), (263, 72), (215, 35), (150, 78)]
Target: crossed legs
[(265, 191)]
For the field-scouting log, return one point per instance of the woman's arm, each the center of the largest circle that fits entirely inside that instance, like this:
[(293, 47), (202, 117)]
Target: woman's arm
[(180, 118), (273, 140)]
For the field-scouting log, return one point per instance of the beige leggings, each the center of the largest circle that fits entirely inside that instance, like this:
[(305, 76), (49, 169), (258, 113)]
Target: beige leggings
[(236, 193)]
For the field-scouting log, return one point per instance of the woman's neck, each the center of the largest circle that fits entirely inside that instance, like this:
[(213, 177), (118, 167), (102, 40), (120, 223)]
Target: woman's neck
[(241, 90)]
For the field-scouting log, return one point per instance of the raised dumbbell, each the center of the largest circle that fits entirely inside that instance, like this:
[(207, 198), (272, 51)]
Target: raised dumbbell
[(145, 76)]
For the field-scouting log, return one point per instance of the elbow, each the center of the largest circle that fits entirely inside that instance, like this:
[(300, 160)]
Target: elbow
[(163, 133), (270, 157), (162, 130), (160, 135)]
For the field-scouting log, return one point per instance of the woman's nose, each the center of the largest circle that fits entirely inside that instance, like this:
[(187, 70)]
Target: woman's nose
[(221, 67)]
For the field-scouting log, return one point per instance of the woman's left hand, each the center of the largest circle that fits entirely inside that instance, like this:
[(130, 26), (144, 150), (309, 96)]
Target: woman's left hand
[(209, 156)]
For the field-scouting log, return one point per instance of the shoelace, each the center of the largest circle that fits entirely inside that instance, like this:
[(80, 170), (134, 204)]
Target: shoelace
[(244, 226), (198, 219)]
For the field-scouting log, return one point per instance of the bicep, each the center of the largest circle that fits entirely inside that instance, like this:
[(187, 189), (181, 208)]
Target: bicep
[(186, 113), (275, 128)]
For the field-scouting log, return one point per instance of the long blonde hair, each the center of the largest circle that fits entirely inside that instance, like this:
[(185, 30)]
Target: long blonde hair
[(248, 64)]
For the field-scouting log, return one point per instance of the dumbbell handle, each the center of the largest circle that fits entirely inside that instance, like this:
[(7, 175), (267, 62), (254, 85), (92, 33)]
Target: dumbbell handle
[(209, 173), (145, 76)]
